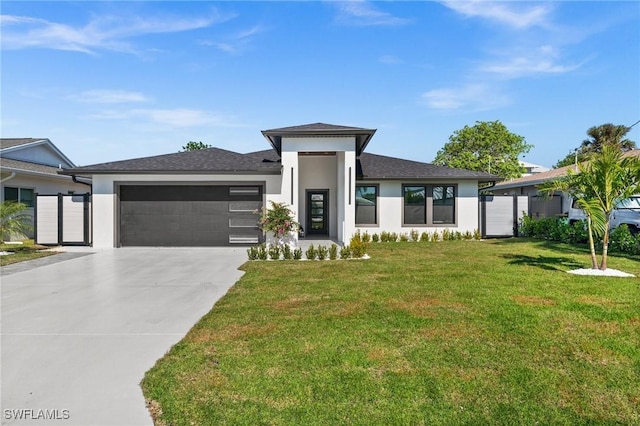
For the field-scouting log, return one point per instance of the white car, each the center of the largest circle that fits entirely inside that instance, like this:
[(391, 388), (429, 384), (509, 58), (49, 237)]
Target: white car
[(626, 212)]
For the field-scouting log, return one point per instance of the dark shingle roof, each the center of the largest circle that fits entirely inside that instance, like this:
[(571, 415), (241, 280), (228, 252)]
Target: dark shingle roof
[(211, 160), (372, 166)]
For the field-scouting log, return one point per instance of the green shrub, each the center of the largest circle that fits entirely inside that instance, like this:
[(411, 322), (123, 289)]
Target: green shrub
[(297, 254), (404, 237), (358, 246), (467, 236), (274, 252), (252, 253), (424, 236), (262, 252), (287, 254), (345, 252), (477, 235), (375, 238), (622, 240), (322, 252), (311, 252), (393, 237), (415, 235), (333, 252), (435, 237), (366, 238), (384, 237)]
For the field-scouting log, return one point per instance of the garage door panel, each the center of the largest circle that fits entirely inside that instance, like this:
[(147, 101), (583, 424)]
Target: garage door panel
[(189, 215)]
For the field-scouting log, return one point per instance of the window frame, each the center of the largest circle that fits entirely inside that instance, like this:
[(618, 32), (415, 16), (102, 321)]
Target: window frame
[(377, 209), (30, 203), (429, 204)]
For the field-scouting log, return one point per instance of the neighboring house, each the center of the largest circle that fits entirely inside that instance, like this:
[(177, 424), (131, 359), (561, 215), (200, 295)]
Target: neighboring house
[(30, 166), (210, 197), (540, 206), (531, 169)]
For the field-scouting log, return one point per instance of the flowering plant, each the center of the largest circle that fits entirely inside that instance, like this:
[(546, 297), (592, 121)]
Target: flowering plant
[(277, 219)]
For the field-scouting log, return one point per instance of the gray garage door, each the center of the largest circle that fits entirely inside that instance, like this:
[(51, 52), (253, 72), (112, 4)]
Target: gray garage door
[(189, 215)]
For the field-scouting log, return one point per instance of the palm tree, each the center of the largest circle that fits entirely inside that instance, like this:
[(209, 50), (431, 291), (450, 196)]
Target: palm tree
[(13, 219), (612, 178), (599, 136), (575, 184), (598, 186)]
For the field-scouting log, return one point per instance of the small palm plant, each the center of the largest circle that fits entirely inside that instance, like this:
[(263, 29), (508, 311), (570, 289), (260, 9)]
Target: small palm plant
[(14, 219)]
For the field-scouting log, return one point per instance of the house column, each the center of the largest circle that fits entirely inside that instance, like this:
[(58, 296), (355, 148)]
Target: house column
[(346, 195), (290, 173)]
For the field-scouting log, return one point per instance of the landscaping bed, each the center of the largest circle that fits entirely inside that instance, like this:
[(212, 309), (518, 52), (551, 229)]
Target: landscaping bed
[(453, 332), (28, 250)]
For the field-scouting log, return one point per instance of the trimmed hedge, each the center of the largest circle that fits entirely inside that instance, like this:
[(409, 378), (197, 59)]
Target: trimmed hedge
[(559, 229)]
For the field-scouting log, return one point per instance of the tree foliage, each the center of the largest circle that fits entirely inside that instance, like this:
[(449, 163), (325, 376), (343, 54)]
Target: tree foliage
[(194, 146), (598, 186), (599, 136), (488, 146)]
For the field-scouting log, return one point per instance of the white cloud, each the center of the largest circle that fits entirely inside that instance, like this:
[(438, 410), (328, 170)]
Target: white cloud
[(542, 60), (510, 13), (170, 118), (109, 96), (101, 33), (362, 12), (472, 97), (237, 42)]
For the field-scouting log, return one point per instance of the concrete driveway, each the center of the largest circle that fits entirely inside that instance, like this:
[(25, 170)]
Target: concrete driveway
[(78, 335)]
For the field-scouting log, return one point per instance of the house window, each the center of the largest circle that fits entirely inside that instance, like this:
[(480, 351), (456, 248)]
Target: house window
[(23, 195), (366, 204), (429, 204), (415, 208), (443, 204)]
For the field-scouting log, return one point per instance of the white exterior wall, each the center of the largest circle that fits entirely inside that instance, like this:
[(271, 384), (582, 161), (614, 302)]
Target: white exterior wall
[(391, 206), (319, 172), (323, 172), (105, 204)]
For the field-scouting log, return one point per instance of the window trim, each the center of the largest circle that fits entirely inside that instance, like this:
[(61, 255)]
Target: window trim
[(428, 200), (377, 215), (19, 189)]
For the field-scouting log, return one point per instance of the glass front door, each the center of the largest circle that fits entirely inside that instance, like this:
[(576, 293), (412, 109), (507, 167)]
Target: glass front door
[(317, 212)]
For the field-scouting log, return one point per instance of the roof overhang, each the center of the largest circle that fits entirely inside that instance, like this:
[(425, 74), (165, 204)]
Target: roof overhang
[(362, 136)]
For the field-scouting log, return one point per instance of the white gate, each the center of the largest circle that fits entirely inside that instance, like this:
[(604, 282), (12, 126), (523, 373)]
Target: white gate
[(63, 219)]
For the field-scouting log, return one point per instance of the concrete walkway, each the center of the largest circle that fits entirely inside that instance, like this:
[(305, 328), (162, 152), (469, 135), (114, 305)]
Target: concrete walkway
[(79, 334)]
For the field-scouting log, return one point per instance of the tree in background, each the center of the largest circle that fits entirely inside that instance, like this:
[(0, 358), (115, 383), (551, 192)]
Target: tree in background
[(605, 134), (194, 146), (486, 147)]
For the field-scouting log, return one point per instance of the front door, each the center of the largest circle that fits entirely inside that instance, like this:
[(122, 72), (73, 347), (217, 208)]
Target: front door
[(317, 212)]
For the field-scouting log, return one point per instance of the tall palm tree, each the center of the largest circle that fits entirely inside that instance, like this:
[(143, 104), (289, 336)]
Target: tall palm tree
[(13, 219)]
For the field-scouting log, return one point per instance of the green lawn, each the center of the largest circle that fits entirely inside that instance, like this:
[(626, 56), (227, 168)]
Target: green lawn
[(460, 332), (21, 252)]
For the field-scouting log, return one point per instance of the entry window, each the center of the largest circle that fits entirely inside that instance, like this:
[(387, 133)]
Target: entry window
[(366, 204), (23, 195), (443, 204), (415, 208)]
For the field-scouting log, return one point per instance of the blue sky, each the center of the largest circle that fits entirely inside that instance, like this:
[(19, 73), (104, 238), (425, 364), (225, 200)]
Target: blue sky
[(116, 80)]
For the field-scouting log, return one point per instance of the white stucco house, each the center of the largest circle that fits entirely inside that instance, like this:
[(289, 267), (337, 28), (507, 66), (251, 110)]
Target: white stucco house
[(30, 166), (321, 171)]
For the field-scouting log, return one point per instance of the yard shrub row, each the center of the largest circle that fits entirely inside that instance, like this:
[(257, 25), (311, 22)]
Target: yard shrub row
[(559, 229)]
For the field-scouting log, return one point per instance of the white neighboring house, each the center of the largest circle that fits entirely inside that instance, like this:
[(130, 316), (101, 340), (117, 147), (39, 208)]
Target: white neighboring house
[(209, 197), (30, 166), (532, 169)]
